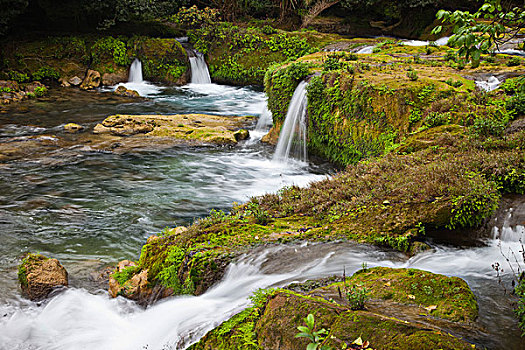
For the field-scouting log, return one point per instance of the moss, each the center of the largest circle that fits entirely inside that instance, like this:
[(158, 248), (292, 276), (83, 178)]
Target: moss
[(272, 323), (26, 264), (125, 275), (452, 297)]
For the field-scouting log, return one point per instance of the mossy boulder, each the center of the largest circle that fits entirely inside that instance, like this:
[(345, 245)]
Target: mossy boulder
[(272, 321), (39, 276), (194, 128)]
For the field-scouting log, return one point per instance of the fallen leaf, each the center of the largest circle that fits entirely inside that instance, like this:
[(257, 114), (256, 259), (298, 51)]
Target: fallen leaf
[(410, 296), (358, 341), (388, 284)]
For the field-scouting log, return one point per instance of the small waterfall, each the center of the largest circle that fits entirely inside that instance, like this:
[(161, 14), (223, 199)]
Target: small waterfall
[(292, 139), (492, 83), (199, 69), (135, 72), (264, 121)]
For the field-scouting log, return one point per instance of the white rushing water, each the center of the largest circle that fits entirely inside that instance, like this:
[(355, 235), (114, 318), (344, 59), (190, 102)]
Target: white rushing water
[(135, 72), (489, 84), (76, 319), (137, 83), (292, 138), (199, 69)]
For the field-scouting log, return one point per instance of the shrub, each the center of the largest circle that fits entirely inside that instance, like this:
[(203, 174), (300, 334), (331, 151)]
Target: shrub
[(40, 91), (110, 47), (357, 295), (18, 77), (517, 103), (514, 61), (434, 119), (486, 126), (412, 75), (194, 17), (268, 30), (45, 73), (453, 83)]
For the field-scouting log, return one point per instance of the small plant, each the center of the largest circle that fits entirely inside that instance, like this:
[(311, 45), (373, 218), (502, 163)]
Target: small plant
[(453, 83), (40, 91), (412, 75), (357, 296), (514, 61), (194, 17), (316, 337), (268, 30), (434, 119)]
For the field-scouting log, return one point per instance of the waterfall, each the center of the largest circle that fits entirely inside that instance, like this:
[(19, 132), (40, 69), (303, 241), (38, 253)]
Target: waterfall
[(490, 84), (199, 69), (264, 121), (292, 139), (135, 72)]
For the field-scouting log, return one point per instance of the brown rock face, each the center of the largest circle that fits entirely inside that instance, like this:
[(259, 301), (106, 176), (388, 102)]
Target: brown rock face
[(123, 91), (91, 81), (39, 275), (109, 79)]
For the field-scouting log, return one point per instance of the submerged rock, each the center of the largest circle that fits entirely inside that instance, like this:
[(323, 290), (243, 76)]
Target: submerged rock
[(196, 128), (39, 276), (271, 323)]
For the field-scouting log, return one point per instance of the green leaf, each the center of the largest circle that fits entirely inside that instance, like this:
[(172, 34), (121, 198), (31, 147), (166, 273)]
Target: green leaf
[(312, 346), (304, 329), (310, 321)]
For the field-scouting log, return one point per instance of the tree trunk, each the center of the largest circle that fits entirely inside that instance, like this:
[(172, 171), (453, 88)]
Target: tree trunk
[(316, 10)]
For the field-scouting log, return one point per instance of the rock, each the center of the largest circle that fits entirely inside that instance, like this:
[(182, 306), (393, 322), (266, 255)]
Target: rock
[(34, 87), (63, 82), (193, 128), (135, 286), (39, 275), (241, 134), (75, 81), (73, 128), (11, 84), (123, 91), (91, 81), (109, 79)]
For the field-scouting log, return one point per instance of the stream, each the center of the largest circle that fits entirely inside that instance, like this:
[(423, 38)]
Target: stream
[(90, 209)]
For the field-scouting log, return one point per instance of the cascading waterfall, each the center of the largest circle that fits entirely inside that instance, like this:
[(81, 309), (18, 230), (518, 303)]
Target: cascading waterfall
[(490, 84), (135, 72), (199, 69), (292, 139)]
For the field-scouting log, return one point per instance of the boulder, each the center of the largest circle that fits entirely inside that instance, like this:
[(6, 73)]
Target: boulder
[(9, 84), (91, 81), (63, 82), (39, 276), (109, 79), (75, 81), (73, 128), (123, 91)]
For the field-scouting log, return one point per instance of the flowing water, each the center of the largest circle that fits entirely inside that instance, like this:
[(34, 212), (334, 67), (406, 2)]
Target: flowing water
[(199, 69), (292, 138), (91, 209)]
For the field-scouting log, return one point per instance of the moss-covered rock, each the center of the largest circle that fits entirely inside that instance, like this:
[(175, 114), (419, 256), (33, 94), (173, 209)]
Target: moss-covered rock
[(61, 58), (39, 276), (272, 321), (197, 128)]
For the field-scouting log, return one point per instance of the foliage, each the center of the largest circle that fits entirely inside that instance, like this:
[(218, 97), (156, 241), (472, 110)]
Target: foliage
[(357, 296), (45, 73), (193, 17), (316, 337), (517, 103), (434, 119), (40, 91), (18, 77), (481, 31), (454, 83), (520, 293), (412, 75), (110, 47), (124, 275)]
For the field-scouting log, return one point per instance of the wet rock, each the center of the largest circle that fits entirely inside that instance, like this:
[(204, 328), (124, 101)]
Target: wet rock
[(39, 276), (123, 91), (127, 282), (63, 82), (9, 84), (194, 128), (109, 79), (91, 81), (75, 81), (73, 128)]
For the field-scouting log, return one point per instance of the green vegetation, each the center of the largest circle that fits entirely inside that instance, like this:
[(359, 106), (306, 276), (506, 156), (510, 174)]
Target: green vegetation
[(29, 260), (316, 337), (271, 320)]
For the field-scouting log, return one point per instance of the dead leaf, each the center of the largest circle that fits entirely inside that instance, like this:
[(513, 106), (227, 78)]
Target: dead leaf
[(410, 296), (431, 308)]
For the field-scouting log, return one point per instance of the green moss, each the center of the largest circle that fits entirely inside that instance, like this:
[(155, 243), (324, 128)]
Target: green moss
[(125, 275), (25, 266), (451, 295)]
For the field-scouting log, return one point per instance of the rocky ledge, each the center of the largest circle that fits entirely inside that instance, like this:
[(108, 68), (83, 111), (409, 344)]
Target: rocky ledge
[(378, 308)]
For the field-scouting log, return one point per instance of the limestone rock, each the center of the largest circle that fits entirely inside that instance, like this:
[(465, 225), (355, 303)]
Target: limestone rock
[(123, 91), (91, 81), (193, 128), (75, 81), (109, 79), (39, 275), (73, 128), (64, 83)]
